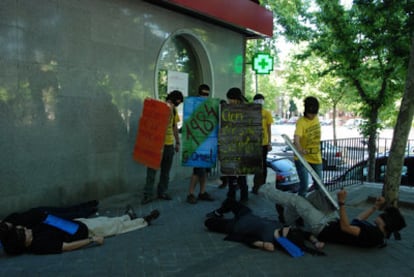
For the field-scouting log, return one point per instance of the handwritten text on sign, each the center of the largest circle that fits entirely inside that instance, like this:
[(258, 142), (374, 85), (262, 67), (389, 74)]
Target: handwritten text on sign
[(200, 132), (152, 128), (240, 139)]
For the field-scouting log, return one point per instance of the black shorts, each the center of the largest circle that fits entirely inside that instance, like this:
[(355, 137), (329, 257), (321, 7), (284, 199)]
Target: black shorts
[(201, 171)]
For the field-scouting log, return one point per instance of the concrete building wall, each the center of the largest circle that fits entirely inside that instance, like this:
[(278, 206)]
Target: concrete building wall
[(73, 77)]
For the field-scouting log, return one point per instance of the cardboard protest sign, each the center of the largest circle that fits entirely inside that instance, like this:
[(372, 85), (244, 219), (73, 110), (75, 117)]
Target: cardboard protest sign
[(200, 132), (240, 139), (152, 127)]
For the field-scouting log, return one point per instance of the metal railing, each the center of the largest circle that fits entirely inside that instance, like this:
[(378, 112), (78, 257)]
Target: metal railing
[(339, 158), (352, 156)]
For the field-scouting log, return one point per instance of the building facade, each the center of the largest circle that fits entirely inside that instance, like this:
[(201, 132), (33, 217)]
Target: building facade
[(73, 77)]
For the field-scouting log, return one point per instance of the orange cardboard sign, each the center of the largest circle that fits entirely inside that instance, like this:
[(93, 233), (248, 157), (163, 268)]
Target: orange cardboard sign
[(152, 127)]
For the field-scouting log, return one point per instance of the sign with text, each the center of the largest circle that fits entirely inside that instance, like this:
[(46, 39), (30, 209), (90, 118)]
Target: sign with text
[(200, 132), (177, 81), (152, 128), (240, 139)]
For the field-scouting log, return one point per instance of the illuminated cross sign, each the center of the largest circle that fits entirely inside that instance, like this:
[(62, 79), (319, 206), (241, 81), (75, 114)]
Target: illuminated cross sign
[(262, 63)]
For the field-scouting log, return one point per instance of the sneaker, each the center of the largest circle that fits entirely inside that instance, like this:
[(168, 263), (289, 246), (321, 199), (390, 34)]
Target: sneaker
[(154, 214), (205, 197), (146, 200), (214, 213), (130, 212), (164, 196), (191, 199)]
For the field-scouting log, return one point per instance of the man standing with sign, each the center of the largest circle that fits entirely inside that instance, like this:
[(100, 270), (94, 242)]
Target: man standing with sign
[(174, 99), (235, 96), (260, 177), (199, 173)]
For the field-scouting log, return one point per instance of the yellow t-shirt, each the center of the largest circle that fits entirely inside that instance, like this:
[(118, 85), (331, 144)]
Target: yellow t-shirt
[(267, 119), (174, 119), (309, 132)]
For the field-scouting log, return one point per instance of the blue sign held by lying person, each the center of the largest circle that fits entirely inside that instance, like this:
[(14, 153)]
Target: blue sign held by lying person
[(62, 224)]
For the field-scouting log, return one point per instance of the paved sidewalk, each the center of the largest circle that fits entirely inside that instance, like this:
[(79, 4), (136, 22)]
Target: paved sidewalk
[(177, 244)]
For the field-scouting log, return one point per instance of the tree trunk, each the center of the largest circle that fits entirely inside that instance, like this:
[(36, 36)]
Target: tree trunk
[(372, 143), (400, 137)]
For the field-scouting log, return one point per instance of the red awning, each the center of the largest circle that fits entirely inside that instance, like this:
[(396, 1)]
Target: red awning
[(243, 15)]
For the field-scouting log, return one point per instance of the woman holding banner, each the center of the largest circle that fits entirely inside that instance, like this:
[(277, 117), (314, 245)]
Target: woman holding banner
[(174, 99), (199, 173)]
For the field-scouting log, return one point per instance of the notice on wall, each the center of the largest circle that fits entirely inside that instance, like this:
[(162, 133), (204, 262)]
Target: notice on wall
[(200, 132), (240, 139), (152, 128), (177, 81)]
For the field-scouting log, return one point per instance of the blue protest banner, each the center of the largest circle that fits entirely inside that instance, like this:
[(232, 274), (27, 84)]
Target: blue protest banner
[(200, 132)]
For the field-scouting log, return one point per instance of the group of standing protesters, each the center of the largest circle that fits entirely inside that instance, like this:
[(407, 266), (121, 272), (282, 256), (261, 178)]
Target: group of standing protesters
[(47, 230)]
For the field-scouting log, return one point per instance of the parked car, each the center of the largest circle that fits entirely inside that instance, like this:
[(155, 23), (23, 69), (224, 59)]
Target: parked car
[(287, 178), (354, 123), (360, 171), (332, 156), (292, 120)]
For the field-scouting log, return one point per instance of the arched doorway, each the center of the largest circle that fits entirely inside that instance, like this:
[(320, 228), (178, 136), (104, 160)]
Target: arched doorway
[(183, 52)]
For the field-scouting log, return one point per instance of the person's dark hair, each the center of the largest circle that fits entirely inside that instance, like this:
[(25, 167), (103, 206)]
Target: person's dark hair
[(236, 94), (258, 96), (311, 105), (176, 97), (203, 87), (393, 219), (14, 241), (4, 228)]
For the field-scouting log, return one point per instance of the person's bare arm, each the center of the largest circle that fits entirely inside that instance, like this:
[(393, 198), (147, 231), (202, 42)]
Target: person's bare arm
[(177, 138), (268, 246), (343, 216), (296, 140), (69, 246), (368, 212), (269, 132)]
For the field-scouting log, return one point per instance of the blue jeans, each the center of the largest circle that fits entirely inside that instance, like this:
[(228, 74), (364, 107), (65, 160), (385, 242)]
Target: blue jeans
[(304, 176)]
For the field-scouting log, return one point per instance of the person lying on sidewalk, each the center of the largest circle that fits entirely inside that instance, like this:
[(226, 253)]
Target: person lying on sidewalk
[(53, 235), (34, 215), (255, 231), (329, 226)]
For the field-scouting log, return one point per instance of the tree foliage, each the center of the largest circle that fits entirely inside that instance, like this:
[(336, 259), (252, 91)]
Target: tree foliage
[(367, 46)]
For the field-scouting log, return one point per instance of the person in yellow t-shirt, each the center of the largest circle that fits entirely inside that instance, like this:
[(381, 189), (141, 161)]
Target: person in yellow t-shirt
[(174, 99), (267, 120), (307, 140)]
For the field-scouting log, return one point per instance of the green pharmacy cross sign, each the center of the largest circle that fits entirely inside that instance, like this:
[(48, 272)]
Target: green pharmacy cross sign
[(262, 63)]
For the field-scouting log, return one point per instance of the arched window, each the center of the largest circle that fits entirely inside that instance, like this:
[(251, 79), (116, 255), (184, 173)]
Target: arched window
[(183, 52)]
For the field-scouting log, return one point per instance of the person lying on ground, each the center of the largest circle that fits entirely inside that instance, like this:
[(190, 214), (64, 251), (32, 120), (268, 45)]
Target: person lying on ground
[(255, 231), (53, 235), (34, 215), (324, 221)]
